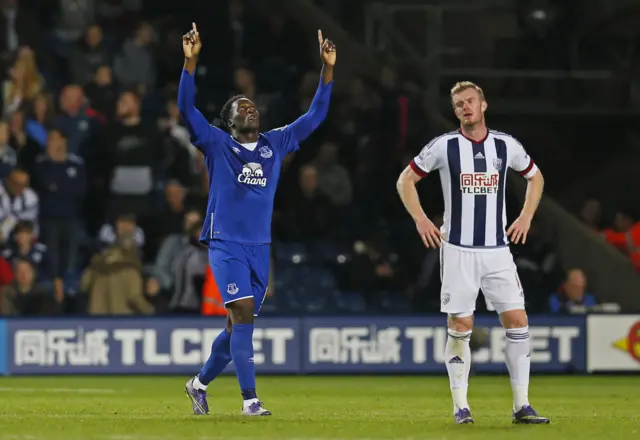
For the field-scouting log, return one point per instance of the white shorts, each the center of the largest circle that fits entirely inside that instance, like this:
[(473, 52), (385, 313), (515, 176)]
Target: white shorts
[(464, 271)]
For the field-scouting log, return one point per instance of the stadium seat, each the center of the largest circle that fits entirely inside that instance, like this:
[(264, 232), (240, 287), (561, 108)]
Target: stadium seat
[(293, 253), (392, 302), (352, 302), (330, 252)]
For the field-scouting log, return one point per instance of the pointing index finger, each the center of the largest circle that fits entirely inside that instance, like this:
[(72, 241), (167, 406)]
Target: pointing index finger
[(195, 29), (320, 39)]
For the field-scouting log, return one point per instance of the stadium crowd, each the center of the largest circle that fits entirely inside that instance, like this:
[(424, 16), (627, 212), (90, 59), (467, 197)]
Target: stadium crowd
[(102, 194)]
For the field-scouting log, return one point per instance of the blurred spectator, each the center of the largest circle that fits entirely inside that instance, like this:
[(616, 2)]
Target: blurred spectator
[(25, 83), (176, 129), (373, 268), (60, 179), (162, 277), (133, 152), (73, 17), (188, 272), (24, 297), (625, 235), (591, 214), (26, 147), (8, 157), (25, 247), (18, 27), (17, 202), (333, 178), (113, 281), (277, 48), (170, 58), (572, 296), (239, 24), (89, 56), (124, 225), (537, 264), (78, 121), (244, 82), (172, 216), (120, 15), (103, 92), (40, 119), (134, 65), (308, 214), (6, 273)]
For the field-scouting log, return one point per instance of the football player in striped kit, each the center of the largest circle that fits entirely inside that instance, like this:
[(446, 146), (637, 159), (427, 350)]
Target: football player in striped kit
[(474, 254)]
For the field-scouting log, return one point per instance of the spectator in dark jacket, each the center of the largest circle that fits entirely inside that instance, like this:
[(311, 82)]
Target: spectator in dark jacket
[(79, 121), (24, 297), (60, 180)]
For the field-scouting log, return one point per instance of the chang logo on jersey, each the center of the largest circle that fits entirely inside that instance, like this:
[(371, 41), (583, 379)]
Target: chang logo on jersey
[(479, 183), (252, 174)]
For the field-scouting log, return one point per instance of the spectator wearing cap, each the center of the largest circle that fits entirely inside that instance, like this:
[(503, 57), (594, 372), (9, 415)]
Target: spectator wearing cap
[(60, 179)]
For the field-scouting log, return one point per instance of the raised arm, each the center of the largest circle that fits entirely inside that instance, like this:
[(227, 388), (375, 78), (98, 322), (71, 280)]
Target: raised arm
[(201, 132), (307, 123)]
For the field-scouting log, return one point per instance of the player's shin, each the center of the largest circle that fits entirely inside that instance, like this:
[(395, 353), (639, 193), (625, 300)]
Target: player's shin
[(458, 358), (518, 358), (242, 354), (218, 360)]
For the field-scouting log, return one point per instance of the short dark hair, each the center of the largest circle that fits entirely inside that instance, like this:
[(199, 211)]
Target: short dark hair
[(24, 226), (225, 113)]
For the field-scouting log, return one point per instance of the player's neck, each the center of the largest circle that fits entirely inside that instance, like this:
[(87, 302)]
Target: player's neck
[(475, 132), (246, 138)]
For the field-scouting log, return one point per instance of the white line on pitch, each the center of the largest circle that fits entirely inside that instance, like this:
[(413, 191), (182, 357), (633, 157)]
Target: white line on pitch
[(57, 390)]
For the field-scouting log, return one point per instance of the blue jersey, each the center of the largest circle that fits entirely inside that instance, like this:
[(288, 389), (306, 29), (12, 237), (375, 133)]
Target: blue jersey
[(243, 177)]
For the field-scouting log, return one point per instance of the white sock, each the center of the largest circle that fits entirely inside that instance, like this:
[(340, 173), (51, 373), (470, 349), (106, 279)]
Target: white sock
[(518, 358), (198, 385), (249, 402), (458, 357)]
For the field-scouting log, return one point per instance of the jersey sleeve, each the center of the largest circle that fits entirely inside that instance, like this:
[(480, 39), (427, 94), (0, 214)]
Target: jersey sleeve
[(429, 159), (520, 161), (284, 139), (203, 135)]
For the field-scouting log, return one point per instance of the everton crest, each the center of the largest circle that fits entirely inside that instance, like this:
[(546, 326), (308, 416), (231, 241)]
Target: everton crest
[(265, 152)]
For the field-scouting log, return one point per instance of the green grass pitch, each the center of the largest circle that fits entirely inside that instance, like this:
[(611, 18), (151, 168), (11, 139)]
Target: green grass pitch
[(315, 408)]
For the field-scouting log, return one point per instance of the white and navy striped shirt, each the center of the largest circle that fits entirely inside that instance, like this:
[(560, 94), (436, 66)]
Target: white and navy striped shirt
[(13, 209), (473, 176)]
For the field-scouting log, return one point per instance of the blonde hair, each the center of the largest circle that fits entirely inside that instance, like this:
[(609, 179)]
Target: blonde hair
[(31, 83), (461, 86)]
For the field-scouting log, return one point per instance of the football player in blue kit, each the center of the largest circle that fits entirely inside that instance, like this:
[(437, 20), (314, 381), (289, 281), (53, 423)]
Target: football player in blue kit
[(244, 167)]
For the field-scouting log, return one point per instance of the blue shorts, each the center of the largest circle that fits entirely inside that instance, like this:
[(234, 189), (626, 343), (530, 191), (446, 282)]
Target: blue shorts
[(240, 270)]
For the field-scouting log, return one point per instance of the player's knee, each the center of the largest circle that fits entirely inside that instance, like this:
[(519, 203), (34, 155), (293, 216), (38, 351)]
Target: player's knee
[(241, 312), (460, 323), (515, 318)]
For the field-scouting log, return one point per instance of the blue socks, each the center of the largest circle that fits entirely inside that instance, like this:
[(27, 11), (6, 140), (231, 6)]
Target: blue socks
[(242, 354), (218, 359)]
